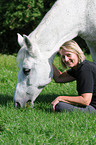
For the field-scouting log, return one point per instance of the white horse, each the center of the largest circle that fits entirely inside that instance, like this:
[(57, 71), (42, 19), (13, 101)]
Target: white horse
[(65, 20)]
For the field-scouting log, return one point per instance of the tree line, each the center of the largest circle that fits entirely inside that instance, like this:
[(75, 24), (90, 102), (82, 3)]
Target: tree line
[(21, 16)]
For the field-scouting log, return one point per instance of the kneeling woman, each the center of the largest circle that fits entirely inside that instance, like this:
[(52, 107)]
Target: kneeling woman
[(81, 70)]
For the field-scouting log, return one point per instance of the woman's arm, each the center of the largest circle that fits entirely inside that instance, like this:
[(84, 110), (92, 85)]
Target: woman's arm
[(60, 77), (84, 99)]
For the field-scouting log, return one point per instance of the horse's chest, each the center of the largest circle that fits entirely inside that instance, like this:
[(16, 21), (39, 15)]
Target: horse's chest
[(90, 32)]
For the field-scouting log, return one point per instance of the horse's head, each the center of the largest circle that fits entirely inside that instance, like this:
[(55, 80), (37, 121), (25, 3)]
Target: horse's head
[(35, 71)]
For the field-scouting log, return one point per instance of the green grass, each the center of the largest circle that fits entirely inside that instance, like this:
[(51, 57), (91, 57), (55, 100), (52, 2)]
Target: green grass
[(40, 126)]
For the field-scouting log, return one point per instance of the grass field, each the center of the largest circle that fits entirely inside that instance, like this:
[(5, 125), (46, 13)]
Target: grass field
[(40, 126)]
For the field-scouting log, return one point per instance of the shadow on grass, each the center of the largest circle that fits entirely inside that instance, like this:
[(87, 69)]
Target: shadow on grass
[(40, 101), (4, 99), (46, 98), (43, 102)]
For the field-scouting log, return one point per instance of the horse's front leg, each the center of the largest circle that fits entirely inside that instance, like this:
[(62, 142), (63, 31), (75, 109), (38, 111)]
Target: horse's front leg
[(92, 48)]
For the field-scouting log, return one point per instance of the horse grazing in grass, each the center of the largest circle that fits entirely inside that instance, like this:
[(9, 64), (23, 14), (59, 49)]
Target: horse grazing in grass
[(65, 20)]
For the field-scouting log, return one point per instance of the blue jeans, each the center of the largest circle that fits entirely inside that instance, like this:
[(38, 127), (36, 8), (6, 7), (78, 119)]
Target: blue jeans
[(61, 106)]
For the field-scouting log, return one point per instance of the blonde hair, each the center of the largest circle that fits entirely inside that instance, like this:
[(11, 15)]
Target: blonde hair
[(72, 46)]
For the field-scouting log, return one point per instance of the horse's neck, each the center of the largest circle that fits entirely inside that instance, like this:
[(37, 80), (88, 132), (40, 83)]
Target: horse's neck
[(60, 24)]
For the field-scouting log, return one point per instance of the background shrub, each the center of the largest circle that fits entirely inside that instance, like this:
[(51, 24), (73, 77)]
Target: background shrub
[(20, 16)]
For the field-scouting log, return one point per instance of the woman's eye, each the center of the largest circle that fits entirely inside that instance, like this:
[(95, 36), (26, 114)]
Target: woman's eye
[(69, 55)]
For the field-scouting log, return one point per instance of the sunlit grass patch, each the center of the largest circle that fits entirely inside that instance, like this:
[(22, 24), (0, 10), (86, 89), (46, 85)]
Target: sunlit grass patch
[(40, 126)]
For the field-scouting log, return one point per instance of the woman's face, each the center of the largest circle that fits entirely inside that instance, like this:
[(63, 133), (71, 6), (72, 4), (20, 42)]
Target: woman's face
[(70, 59)]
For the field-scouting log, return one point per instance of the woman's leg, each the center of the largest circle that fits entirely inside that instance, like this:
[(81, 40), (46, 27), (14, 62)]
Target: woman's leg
[(61, 106)]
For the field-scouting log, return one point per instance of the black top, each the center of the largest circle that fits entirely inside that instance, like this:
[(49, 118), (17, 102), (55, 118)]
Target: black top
[(85, 75)]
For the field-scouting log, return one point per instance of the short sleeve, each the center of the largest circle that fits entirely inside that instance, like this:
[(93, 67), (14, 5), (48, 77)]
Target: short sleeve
[(71, 72), (85, 82)]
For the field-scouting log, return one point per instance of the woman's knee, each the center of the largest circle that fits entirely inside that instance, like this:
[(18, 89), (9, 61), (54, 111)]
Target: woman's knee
[(61, 106), (58, 107)]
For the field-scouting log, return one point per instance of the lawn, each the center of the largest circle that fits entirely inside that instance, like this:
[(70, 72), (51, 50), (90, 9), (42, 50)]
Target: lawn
[(40, 126)]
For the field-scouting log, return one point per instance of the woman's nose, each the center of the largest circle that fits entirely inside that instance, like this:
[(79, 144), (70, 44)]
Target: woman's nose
[(66, 59)]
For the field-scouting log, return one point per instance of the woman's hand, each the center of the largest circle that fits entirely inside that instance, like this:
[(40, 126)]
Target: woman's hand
[(54, 103)]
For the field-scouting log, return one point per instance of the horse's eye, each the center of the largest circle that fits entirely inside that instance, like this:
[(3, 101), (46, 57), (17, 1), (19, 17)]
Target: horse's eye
[(26, 71)]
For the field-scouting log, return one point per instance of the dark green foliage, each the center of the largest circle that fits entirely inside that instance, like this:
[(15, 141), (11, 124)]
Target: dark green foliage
[(18, 13), (19, 16)]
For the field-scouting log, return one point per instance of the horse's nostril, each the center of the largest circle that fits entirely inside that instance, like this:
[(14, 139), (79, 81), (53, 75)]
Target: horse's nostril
[(17, 105), (28, 103)]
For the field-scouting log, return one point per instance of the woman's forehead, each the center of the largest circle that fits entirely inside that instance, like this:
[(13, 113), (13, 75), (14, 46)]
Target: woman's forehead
[(64, 52)]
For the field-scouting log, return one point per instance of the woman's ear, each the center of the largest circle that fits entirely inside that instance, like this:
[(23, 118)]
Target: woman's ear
[(60, 51)]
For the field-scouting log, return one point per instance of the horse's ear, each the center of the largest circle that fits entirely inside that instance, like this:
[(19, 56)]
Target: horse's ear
[(20, 40), (33, 52), (28, 43)]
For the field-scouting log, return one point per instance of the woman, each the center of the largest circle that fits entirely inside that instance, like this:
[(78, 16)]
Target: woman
[(81, 70)]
